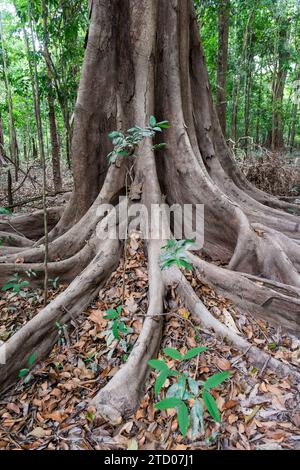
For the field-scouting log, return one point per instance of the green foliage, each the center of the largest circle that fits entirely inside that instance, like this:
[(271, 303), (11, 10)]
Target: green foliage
[(4, 211), (185, 389), (25, 373), (175, 254), (116, 330), (17, 286), (54, 282), (61, 333), (254, 59), (126, 145)]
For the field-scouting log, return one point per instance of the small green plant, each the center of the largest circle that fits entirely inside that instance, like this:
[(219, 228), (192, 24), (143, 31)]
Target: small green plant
[(25, 373), (54, 282), (17, 286), (186, 390), (125, 145), (61, 333), (90, 362), (175, 254), (116, 329)]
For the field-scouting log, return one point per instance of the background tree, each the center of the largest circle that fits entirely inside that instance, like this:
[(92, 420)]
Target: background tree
[(222, 69)]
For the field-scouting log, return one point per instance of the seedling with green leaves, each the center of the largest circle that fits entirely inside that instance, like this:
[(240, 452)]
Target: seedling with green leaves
[(61, 333), (90, 362), (54, 282), (125, 145), (175, 254), (185, 389), (17, 286), (30, 273), (116, 328), (25, 373)]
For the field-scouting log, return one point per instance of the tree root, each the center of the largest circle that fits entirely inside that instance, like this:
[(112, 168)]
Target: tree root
[(121, 396), (72, 241), (272, 301), (14, 240), (40, 334), (200, 313), (30, 225)]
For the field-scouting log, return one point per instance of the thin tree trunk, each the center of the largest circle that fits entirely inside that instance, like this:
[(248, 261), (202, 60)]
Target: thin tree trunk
[(51, 104), (35, 92), (2, 148), (57, 181), (258, 110), (248, 86), (12, 130), (34, 149), (239, 73), (224, 16), (42, 154), (295, 109), (9, 190)]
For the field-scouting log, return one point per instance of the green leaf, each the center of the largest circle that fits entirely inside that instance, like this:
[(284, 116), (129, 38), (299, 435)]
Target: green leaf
[(168, 403), (152, 121), (181, 263), (159, 147), (115, 329), (4, 211), (193, 384), (163, 124), (23, 372), (114, 135), (111, 314), (32, 359), (194, 352), (177, 390), (211, 406), (6, 287), (122, 152), (157, 364), (123, 328), (173, 353), (24, 284), (216, 380), (157, 129), (183, 419), (160, 381), (197, 418), (27, 378), (119, 309), (118, 141)]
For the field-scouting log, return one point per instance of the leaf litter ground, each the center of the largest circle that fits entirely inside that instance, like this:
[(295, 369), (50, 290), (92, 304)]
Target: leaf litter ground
[(52, 411)]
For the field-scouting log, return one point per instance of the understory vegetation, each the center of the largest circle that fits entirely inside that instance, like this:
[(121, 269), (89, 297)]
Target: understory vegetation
[(143, 339)]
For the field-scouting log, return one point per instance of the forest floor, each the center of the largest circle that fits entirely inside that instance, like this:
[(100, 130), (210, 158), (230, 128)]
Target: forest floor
[(50, 408)]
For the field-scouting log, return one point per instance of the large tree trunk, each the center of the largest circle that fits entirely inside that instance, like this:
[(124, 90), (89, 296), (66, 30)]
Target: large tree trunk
[(144, 58), (224, 16)]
